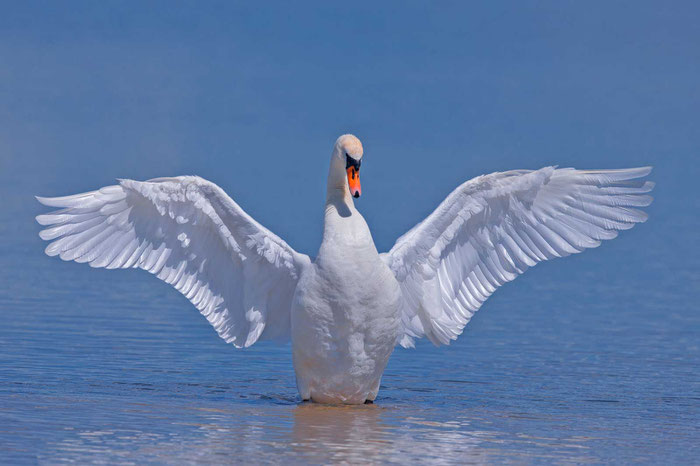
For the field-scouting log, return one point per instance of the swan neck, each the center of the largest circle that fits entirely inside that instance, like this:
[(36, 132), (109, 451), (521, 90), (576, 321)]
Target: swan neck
[(337, 188)]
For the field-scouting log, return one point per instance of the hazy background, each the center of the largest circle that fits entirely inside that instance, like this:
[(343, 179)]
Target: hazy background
[(253, 99)]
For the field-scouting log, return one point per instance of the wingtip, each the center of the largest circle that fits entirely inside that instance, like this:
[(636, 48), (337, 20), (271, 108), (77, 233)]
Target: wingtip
[(45, 219), (633, 173), (620, 174), (646, 170), (61, 201), (641, 171), (43, 200)]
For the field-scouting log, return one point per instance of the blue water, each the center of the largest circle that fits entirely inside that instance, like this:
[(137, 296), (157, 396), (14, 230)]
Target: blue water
[(592, 358)]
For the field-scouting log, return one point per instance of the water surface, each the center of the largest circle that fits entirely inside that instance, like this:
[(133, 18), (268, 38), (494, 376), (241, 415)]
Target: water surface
[(588, 359), (592, 358)]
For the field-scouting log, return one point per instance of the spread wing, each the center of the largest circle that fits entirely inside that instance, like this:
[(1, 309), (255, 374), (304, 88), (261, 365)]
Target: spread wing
[(190, 234), (492, 228)]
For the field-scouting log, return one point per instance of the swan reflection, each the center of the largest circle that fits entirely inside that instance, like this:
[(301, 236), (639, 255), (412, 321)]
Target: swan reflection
[(308, 433), (340, 433), (373, 433)]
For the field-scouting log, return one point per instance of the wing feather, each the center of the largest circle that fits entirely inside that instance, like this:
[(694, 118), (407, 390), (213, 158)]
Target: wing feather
[(191, 235), (494, 227)]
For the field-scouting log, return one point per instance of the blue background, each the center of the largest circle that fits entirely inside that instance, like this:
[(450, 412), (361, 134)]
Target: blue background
[(253, 99)]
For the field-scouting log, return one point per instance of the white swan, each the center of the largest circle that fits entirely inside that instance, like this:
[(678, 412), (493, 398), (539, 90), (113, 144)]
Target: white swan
[(347, 309)]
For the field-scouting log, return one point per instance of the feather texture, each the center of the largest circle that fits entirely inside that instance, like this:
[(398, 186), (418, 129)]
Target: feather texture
[(494, 227), (190, 234)]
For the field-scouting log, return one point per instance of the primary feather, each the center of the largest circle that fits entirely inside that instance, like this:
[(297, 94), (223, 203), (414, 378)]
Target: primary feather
[(190, 234), (494, 227)]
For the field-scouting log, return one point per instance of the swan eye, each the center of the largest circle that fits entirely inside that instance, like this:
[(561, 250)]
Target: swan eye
[(351, 162)]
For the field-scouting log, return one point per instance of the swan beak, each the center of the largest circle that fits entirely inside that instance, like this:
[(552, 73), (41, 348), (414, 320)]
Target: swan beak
[(354, 181)]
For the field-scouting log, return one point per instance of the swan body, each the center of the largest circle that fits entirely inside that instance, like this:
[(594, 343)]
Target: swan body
[(345, 315), (347, 309)]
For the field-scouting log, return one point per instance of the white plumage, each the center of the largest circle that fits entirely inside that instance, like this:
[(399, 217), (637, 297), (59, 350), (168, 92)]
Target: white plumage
[(190, 234), (494, 227), (347, 309)]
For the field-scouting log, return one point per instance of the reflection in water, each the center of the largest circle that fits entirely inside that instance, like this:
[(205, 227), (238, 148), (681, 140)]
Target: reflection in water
[(309, 433), (373, 433), (340, 433), (306, 432)]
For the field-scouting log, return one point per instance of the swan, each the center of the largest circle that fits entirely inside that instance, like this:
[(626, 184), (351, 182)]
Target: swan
[(347, 309)]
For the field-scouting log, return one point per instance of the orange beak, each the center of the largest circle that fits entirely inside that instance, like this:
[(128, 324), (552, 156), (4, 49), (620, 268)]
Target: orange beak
[(354, 181)]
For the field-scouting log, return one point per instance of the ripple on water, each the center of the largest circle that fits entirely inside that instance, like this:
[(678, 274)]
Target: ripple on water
[(100, 366)]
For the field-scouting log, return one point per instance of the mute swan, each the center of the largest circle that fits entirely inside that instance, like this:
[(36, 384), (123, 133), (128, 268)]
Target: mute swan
[(348, 308)]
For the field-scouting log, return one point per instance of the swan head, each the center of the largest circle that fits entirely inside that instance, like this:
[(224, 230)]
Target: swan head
[(347, 152)]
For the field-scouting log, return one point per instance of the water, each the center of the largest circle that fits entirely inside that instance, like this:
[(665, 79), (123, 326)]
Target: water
[(589, 359), (593, 358)]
